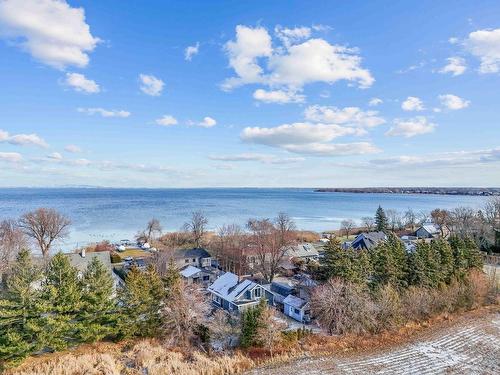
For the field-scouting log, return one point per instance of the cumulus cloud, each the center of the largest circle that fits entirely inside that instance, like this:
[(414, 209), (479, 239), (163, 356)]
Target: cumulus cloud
[(191, 51), (104, 112), (352, 116), (207, 122), (55, 156), (74, 149), (375, 102), (293, 65), (456, 66), (263, 158), (411, 127), (453, 102), (167, 120), (11, 157), (412, 103), (80, 83), (278, 96), (51, 31), (485, 45), (334, 149), (151, 85), (23, 139)]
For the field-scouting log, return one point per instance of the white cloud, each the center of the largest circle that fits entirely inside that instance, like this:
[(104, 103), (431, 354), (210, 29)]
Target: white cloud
[(55, 156), (292, 36), (453, 102), (50, 30), (292, 66), (263, 158), (278, 96), (207, 122), (167, 120), (74, 149), (22, 139), (296, 133), (334, 149), (411, 127), (352, 116), (412, 103), (191, 51), (11, 157), (151, 85), (485, 44), (80, 83), (456, 66), (104, 112), (375, 102)]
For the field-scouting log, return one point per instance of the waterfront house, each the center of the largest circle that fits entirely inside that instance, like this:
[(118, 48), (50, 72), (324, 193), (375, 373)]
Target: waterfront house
[(234, 295), (368, 240), (306, 251), (297, 308), (197, 257)]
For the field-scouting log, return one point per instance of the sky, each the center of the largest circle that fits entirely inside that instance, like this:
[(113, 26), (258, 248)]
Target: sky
[(249, 93)]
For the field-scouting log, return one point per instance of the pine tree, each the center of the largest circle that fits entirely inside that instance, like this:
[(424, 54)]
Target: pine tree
[(98, 312), (380, 220), (62, 301), (389, 262), (250, 320), (172, 279), (335, 261), (142, 299), (473, 255), (460, 256), (442, 247), (19, 314)]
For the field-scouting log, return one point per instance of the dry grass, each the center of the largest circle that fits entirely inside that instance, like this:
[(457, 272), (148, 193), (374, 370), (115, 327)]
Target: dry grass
[(134, 253)]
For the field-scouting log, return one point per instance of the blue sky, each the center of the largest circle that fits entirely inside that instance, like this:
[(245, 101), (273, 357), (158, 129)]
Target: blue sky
[(249, 93)]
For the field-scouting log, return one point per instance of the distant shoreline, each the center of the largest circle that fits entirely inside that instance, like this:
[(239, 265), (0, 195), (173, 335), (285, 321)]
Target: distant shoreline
[(416, 190)]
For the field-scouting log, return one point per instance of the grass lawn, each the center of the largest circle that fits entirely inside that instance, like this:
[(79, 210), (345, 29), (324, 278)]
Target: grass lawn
[(134, 253), (345, 238)]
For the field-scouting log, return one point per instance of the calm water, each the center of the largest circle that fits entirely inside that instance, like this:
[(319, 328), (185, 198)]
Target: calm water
[(116, 214)]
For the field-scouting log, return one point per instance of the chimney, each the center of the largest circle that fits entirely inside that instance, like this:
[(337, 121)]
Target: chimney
[(82, 253)]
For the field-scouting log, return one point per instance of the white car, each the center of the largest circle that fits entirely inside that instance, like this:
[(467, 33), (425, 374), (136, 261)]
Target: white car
[(128, 259)]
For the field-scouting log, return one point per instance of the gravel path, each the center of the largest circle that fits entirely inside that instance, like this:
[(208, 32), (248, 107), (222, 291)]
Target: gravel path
[(470, 347)]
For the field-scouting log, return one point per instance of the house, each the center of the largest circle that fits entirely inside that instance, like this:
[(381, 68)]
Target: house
[(233, 295), (306, 251), (428, 230), (82, 259), (195, 275), (197, 257), (297, 308), (368, 240)]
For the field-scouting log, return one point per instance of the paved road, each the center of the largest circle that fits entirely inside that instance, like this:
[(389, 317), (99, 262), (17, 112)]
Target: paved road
[(467, 347)]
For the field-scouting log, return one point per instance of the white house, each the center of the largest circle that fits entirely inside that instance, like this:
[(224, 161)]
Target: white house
[(428, 230), (297, 308)]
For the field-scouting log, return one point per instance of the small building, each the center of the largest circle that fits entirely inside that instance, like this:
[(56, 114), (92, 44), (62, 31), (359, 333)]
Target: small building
[(297, 308), (197, 257), (195, 275), (235, 296), (82, 259), (306, 251), (368, 240), (428, 230)]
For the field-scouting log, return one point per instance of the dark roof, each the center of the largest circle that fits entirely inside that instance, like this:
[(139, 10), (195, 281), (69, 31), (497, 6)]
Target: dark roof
[(81, 263), (368, 240), (197, 252)]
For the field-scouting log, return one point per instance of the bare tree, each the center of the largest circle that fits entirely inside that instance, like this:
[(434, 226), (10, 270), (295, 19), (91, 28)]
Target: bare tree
[(422, 217), (368, 222), (44, 226), (223, 328), (269, 329), (441, 218), (197, 227), (463, 219), (185, 308), (270, 241), (394, 219), (228, 248), (12, 240), (410, 218), (347, 225), (153, 229)]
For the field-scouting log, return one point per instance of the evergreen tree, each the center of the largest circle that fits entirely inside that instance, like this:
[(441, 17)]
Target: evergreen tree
[(472, 253), (98, 312), (172, 279), (336, 262), (424, 266), (442, 247), (380, 220), (460, 256), (142, 299), (19, 314), (389, 262), (250, 320), (61, 304)]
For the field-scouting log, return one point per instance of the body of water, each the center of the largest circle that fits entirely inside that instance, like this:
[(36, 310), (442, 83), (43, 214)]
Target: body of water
[(115, 214)]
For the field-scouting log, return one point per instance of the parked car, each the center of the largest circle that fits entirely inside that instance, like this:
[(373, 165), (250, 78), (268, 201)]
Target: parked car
[(128, 259)]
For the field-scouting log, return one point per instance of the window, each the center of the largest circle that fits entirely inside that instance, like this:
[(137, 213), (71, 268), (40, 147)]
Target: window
[(206, 278), (257, 292), (296, 311), (194, 260), (186, 260)]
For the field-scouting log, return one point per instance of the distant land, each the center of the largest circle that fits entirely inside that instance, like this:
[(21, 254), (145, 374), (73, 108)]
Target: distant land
[(415, 190)]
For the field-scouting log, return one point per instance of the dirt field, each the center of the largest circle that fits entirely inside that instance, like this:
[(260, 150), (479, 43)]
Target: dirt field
[(469, 346)]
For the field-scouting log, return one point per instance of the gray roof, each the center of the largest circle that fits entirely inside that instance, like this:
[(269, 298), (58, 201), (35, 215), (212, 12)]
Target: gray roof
[(228, 287), (293, 301), (81, 263), (368, 240), (190, 271), (302, 250), (430, 228), (196, 252)]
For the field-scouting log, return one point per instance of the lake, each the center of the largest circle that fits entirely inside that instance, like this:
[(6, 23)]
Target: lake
[(114, 214)]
